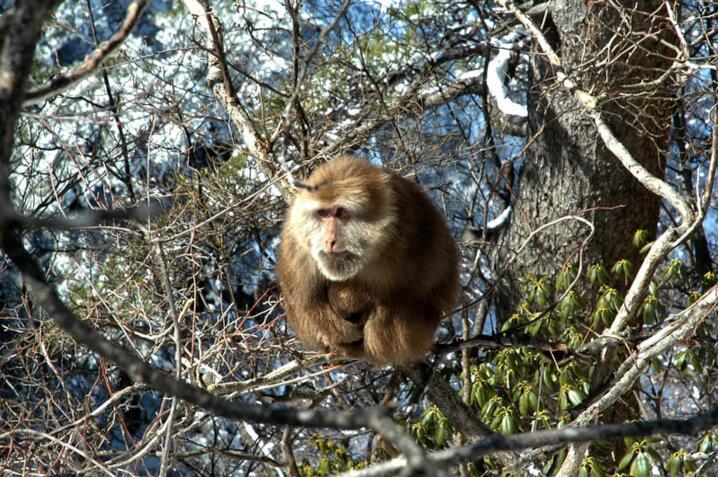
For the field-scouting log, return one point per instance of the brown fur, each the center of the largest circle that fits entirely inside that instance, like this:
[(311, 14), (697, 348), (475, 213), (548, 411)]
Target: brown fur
[(388, 311)]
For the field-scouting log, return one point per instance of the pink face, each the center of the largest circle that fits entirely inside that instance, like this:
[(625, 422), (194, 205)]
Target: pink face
[(335, 237), (333, 221), (339, 235)]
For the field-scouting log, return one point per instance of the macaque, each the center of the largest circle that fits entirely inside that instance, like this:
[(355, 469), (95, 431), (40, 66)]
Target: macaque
[(366, 263)]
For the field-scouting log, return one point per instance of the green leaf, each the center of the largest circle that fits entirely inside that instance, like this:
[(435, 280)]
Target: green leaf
[(610, 298), (646, 247), (653, 288), (598, 274), (706, 443), (497, 422), (695, 361), (649, 308), (440, 434), (547, 467), (507, 426), (476, 394), (656, 365), (655, 455), (489, 407), (597, 469), (563, 403), (575, 396), (622, 269), (534, 328), (524, 404), (324, 467), (548, 376), (565, 278), (640, 238), (570, 304), (675, 271), (429, 416), (626, 460), (708, 280), (532, 399), (554, 327), (607, 317), (674, 465), (641, 466)]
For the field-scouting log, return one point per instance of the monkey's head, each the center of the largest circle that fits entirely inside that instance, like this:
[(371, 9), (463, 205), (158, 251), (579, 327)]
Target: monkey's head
[(342, 216)]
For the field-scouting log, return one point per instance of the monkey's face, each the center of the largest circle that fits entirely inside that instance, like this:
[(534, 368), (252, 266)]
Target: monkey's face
[(337, 241), (340, 237), (342, 217)]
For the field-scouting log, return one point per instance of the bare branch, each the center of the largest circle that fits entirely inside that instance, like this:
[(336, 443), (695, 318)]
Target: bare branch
[(157, 379), (285, 118), (224, 89), (92, 61), (85, 219), (679, 328), (21, 26), (140, 371), (590, 104), (520, 441)]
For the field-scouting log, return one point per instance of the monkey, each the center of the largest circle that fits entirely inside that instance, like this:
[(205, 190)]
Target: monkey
[(366, 264)]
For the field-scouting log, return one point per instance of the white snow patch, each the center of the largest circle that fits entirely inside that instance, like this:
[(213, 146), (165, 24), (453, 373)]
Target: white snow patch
[(469, 75), (499, 220), (496, 71)]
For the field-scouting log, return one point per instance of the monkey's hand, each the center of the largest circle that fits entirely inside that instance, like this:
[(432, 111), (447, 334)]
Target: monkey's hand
[(349, 303), (343, 339), (349, 349)]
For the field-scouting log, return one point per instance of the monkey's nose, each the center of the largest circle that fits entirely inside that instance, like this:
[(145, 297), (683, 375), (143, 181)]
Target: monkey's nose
[(334, 246)]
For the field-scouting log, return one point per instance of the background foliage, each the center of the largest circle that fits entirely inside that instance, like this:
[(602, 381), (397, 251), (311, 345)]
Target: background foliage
[(408, 85)]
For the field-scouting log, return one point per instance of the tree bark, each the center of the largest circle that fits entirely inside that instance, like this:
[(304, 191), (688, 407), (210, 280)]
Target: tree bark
[(566, 168)]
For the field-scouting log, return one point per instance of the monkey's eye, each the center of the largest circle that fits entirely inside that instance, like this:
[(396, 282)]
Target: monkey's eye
[(323, 213), (342, 213)]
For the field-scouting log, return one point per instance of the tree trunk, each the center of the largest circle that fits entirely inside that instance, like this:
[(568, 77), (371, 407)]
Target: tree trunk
[(567, 170)]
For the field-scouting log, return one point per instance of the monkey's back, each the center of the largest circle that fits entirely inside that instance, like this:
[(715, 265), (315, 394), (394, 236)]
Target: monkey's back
[(423, 256)]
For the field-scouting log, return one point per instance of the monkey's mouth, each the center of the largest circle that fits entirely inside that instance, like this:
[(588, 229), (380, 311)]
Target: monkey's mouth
[(342, 256), (339, 265), (339, 255)]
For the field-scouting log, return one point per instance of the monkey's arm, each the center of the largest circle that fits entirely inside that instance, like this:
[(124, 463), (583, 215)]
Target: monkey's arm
[(306, 300), (349, 302), (400, 333), (318, 325)]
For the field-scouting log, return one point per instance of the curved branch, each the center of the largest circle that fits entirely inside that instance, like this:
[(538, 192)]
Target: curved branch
[(219, 78), (519, 441), (681, 327), (93, 60), (140, 371)]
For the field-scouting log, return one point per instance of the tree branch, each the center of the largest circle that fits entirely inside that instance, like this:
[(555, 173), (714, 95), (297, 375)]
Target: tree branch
[(224, 90), (519, 441), (91, 218), (20, 28), (92, 61), (679, 329), (139, 371)]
